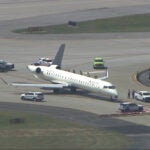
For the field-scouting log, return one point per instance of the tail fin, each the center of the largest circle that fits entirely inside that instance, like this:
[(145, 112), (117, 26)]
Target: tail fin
[(59, 56)]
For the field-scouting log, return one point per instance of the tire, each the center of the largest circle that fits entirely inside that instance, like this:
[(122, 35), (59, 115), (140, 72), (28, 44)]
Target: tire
[(122, 111), (127, 110), (136, 97), (22, 98), (2, 70), (140, 110), (34, 99), (56, 91)]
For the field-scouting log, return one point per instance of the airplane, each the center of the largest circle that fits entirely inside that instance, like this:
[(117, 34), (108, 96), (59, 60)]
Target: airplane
[(64, 79)]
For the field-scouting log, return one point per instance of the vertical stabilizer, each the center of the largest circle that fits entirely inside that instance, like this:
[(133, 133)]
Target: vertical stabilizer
[(59, 56)]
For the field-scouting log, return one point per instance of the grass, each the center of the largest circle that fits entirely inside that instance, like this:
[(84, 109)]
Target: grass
[(132, 23), (43, 132)]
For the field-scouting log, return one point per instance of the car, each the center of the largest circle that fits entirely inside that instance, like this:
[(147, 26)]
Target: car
[(98, 63), (34, 96), (6, 66), (130, 107), (142, 96)]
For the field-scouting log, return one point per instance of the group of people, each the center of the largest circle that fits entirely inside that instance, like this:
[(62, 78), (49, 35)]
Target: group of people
[(131, 93)]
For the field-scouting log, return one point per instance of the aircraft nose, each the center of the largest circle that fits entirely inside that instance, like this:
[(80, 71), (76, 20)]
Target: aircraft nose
[(115, 93), (29, 68)]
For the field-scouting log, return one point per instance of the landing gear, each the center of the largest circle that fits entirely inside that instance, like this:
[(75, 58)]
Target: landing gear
[(73, 89), (56, 91), (112, 98)]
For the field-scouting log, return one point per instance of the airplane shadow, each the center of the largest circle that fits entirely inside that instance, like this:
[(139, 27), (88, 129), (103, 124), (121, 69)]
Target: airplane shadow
[(84, 94)]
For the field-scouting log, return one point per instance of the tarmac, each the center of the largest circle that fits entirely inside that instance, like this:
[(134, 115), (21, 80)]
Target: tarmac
[(124, 54)]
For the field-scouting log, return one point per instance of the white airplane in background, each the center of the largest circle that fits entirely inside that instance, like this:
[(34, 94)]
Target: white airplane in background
[(63, 79)]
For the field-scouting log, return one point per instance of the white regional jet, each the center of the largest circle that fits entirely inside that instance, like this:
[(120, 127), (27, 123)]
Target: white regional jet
[(64, 79)]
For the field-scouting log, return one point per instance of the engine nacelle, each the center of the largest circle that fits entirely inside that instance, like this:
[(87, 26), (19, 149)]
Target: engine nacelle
[(38, 70)]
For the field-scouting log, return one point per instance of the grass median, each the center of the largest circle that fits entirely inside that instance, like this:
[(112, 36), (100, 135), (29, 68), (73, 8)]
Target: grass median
[(43, 132), (132, 23)]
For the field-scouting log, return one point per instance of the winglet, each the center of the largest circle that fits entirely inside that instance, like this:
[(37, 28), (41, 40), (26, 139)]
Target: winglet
[(59, 56), (106, 75)]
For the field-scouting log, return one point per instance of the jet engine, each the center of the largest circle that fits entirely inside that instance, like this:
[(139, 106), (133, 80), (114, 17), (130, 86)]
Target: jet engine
[(38, 70)]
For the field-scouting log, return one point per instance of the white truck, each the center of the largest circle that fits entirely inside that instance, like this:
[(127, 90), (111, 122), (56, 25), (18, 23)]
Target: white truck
[(142, 96)]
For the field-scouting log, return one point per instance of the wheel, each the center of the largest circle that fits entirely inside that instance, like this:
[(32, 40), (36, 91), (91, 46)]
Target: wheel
[(34, 99), (140, 109), (122, 111), (56, 91), (22, 98), (73, 89), (136, 97), (127, 110)]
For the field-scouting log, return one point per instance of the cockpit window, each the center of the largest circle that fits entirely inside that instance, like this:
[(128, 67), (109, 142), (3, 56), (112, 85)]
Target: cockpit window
[(105, 87), (109, 87), (112, 87)]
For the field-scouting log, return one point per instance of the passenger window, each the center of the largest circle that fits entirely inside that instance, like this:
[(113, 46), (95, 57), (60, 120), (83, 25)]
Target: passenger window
[(105, 87)]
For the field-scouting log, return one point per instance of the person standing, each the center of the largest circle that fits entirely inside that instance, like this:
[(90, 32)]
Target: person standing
[(133, 92), (129, 93)]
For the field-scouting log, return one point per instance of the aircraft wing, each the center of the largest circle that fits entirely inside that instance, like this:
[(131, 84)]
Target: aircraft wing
[(95, 74), (43, 86)]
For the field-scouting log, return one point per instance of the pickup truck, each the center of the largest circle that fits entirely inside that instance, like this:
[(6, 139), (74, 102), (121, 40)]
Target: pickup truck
[(142, 96), (6, 66)]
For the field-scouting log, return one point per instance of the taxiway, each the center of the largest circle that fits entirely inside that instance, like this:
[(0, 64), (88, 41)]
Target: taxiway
[(124, 53)]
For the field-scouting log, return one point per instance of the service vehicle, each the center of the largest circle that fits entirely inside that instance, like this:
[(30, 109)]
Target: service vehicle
[(98, 63), (142, 96), (130, 107), (6, 66), (34, 96), (44, 61)]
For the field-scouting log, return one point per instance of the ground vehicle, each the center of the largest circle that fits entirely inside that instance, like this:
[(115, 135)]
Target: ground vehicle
[(45, 61), (142, 95), (130, 107), (6, 66), (35, 96), (98, 63)]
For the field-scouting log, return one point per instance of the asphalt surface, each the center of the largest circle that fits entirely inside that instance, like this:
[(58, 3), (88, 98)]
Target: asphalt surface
[(124, 54), (133, 131)]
